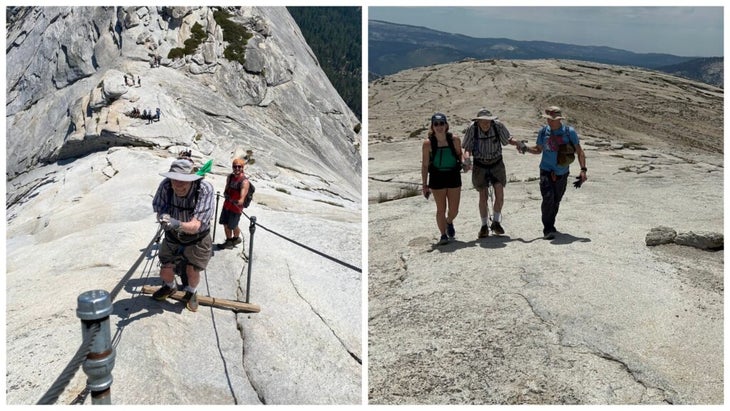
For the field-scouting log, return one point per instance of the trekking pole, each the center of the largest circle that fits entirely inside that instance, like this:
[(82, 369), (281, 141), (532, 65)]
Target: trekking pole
[(215, 216), (251, 229), (93, 309)]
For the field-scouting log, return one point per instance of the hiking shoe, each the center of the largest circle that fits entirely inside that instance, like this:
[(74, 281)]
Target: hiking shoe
[(444, 240), (235, 241), (191, 301), (550, 235), (163, 292), (497, 228), (224, 244), (450, 230), (483, 232)]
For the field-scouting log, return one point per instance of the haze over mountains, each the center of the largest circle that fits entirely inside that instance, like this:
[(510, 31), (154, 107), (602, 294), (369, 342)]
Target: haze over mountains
[(393, 47)]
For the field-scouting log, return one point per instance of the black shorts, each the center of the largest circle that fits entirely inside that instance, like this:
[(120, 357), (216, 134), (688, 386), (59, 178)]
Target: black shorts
[(444, 179), (229, 219)]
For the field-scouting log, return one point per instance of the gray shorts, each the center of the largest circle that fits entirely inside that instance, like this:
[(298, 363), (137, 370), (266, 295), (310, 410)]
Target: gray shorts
[(229, 219), (482, 175), (198, 253)]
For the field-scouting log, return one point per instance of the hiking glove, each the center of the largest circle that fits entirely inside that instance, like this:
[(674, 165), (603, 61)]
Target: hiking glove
[(522, 147), (578, 182), (169, 222)]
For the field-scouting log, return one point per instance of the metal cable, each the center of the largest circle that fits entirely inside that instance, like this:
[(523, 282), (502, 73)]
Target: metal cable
[(350, 266), (62, 381)]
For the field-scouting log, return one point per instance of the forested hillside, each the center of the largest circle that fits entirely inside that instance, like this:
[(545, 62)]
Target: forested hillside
[(335, 36)]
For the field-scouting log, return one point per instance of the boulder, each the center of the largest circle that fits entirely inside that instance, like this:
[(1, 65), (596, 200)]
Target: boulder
[(660, 235), (704, 240)]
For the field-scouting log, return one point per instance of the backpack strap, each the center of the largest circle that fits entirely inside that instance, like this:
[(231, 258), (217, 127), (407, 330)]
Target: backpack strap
[(434, 146), (170, 204)]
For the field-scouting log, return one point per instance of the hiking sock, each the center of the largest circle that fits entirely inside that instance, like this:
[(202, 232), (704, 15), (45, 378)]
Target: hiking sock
[(191, 289), (497, 217), (171, 284), (485, 220)]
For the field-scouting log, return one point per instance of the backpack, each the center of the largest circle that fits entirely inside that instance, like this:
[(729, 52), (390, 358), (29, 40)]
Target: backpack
[(249, 194), (434, 146), (497, 134), (566, 152)]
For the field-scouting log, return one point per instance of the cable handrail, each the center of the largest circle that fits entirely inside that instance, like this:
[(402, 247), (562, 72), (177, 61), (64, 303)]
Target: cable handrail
[(350, 266)]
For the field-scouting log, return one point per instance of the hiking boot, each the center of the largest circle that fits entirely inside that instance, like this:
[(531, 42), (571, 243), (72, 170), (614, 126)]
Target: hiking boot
[(444, 240), (191, 301), (163, 293), (450, 230), (497, 228), (224, 244), (235, 241), (483, 232), (550, 235)]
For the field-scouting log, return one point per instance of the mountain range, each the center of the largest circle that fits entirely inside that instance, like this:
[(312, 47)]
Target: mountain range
[(395, 47)]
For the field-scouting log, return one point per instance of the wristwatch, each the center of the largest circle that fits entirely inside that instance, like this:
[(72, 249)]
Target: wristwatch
[(583, 169)]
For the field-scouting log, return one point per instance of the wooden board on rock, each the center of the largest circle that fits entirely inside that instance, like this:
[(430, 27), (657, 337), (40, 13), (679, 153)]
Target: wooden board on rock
[(236, 306)]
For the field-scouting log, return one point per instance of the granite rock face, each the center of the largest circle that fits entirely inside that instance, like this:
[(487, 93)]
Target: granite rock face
[(82, 169), (593, 316)]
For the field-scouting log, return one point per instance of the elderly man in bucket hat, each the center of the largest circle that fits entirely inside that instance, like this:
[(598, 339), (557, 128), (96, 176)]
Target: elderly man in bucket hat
[(184, 204), (559, 145), (483, 141)]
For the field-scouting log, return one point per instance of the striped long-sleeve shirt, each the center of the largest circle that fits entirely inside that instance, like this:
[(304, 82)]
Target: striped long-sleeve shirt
[(185, 208)]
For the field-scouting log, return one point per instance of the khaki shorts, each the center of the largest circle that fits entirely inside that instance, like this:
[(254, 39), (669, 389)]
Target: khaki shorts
[(482, 175), (198, 254)]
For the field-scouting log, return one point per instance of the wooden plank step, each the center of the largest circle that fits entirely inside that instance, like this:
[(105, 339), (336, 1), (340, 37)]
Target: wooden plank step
[(237, 306)]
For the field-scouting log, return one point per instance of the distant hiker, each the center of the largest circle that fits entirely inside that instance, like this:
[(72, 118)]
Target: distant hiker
[(144, 114), (125, 80), (237, 186), (441, 164), (157, 116), (483, 141), (184, 205), (558, 144), (139, 81), (149, 114)]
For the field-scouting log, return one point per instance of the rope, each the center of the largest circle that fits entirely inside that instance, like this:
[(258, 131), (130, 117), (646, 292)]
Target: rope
[(350, 266), (62, 381)]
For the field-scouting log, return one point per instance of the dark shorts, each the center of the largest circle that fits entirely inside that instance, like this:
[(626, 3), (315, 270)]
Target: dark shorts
[(198, 253), (444, 179), (482, 174), (229, 219)]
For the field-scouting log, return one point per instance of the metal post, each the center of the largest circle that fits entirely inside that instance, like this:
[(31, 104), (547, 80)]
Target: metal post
[(251, 229), (94, 307), (215, 216)]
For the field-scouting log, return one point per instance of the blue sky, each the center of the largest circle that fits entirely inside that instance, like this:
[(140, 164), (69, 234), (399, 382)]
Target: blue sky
[(683, 31)]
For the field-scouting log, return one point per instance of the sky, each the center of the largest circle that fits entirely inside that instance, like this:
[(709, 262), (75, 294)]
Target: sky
[(682, 31)]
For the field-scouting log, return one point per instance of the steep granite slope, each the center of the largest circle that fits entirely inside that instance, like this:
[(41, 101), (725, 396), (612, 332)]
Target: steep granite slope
[(81, 174)]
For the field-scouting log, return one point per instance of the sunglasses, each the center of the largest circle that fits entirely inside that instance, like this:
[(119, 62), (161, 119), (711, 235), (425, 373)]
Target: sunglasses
[(237, 166), (439, 123)]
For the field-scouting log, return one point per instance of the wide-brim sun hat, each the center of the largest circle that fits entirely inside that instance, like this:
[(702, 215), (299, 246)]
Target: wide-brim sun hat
[(182, 170), (553, 113), (484, 114)]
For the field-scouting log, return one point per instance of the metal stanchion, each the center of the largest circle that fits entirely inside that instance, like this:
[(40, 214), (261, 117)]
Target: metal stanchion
[(94, 307), (251, 229), (215, 216)]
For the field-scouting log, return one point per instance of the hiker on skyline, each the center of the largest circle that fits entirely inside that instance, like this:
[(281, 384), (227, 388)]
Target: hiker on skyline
[(237, 186), (441, 165), (184, 205), (558, 144), (483, 141)]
